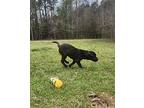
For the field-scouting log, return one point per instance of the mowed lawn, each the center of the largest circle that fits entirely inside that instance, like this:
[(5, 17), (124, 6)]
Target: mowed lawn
[(45, 63)]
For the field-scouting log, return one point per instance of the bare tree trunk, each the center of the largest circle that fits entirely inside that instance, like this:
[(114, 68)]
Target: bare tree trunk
[(76, 19), (31, 32)]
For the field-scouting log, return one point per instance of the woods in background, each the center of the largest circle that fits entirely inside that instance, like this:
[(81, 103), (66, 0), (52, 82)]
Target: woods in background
[(68, 19)]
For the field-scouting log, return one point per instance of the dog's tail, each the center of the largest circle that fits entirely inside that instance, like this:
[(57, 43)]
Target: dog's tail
[(56, 43)]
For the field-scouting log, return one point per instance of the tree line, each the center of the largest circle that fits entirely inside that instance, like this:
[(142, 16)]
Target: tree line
[(68, 19)]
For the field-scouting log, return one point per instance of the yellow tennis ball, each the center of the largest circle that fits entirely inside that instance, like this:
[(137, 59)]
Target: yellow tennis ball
[(58, 83)]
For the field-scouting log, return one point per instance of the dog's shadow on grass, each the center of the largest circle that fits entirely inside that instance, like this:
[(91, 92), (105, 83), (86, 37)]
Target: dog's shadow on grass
[(91, 68)]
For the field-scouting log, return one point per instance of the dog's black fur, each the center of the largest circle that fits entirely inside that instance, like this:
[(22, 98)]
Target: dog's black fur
[(74, 53)]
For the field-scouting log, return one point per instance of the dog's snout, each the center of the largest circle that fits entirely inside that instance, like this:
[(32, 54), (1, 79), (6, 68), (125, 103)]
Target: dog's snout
[(96, 59)]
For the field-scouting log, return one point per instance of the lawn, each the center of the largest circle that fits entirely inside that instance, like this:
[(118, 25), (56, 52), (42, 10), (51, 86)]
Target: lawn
[(45, 63)]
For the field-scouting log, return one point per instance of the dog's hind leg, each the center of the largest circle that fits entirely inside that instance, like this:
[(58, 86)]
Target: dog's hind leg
[(63, 60)]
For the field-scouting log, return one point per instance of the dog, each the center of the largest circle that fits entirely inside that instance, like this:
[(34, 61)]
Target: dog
[(74, 53)]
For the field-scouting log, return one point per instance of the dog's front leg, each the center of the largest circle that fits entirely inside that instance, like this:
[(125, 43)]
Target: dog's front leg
[(79, 64), (72, 63)]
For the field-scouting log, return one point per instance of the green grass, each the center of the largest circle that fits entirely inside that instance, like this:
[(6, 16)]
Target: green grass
[(97, 77)]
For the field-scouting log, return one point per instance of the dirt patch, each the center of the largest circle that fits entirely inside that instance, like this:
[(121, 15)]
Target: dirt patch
[(101, 100)]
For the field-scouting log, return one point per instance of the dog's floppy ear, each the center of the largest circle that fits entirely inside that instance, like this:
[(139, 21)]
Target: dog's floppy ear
[(91, 53), (88, 54)]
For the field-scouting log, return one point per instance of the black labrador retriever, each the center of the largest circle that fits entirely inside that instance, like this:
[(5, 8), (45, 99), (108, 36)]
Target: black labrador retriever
[(74, 53)]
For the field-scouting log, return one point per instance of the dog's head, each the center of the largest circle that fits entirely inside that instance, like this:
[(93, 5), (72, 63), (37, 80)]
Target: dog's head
[(92, 56)]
